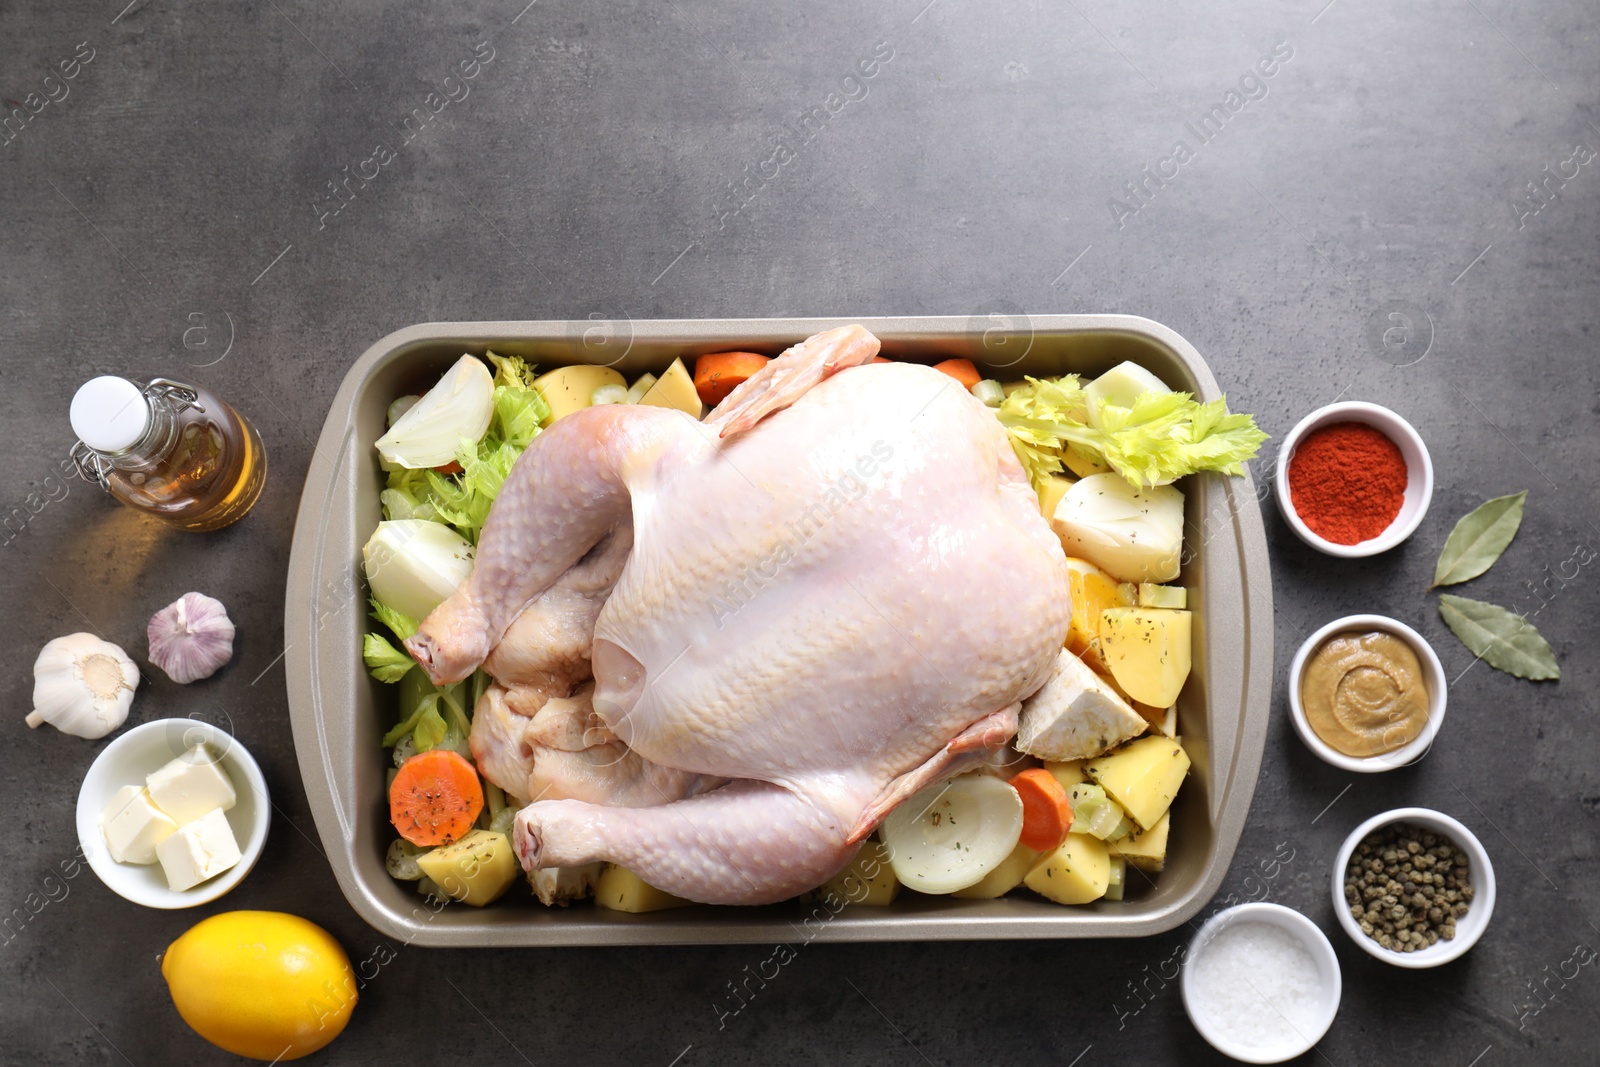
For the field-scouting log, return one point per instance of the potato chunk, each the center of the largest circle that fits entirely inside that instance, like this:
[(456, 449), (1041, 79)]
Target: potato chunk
[(675, 389), (1075, 715), (1143, 776), (568, 389), (1076, 873), (622, 890), (1146, 849), (867, 879), (1069, 773), (1050, 494), (475, 870), (1004, 878), (1147, 650)]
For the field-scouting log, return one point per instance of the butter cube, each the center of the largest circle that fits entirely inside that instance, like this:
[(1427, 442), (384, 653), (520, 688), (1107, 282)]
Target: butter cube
[(134, 826), (191, 785), (200, 849)]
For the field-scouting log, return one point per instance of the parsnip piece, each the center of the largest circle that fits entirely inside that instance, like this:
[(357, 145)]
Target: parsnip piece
[(1075, 715), (560, 886)]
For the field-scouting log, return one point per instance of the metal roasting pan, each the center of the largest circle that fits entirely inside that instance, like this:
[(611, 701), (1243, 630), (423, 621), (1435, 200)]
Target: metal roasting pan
[(338, 713)]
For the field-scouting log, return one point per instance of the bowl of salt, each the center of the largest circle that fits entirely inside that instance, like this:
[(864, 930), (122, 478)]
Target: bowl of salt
[(1261, 983)]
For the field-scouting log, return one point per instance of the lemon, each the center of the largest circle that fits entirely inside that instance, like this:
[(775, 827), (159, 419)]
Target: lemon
[(261, 984)]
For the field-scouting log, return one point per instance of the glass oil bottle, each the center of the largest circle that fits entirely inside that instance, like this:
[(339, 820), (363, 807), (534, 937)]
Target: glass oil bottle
[(168, 449)]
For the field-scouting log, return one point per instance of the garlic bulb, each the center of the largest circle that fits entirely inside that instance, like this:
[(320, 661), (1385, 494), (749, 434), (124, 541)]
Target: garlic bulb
[(82, 686), (191, 638)]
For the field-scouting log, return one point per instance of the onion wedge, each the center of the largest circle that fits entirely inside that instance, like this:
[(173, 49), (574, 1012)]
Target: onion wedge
[(951, 834), (458, 407)]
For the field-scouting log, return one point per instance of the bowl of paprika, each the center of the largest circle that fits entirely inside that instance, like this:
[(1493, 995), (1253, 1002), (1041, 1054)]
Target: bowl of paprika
[(1353, 479)]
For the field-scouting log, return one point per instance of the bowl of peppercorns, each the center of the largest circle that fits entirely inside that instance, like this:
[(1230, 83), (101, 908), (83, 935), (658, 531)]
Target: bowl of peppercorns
[(1413, 887), (1353, 479)]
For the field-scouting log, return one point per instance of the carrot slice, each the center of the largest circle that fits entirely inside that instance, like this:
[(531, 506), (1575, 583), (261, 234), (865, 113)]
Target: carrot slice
[(961, 370), (435, 798), (716, 374), (881, 359), (1046, 812)]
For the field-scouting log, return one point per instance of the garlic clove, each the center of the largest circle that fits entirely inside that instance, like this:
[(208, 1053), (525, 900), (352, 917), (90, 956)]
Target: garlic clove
[(82, 686), (191, 638)]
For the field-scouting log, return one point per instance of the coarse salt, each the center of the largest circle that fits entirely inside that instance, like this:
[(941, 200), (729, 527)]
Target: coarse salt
[(1257, 986)]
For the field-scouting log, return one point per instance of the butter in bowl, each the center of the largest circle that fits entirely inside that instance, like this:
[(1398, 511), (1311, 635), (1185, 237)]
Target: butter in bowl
[(173, 813)]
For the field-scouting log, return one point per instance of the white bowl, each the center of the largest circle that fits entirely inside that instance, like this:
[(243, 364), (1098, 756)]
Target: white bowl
[(126, 761), (1432, 669), (1480, 872), (1315, 942), (1419, 480)]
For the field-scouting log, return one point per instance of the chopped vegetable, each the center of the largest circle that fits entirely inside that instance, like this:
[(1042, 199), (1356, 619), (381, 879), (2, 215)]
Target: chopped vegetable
[(402, 626), (1004, 878), (1146, 849), (1117, 879), (951, 834), (413, 565), (1133, 534), (989, 392), (401, 860), (716, 374), (1096, 814), (1148, 650), (1046, 814), (385, 662), (1151, 595), (641, 385), (620, 889), (1055, 487), (475, 870), (961, 370), (1076, 873), (1157, 438), (569, 389), (868, 879), (435, 798), (1121, 385), (457, 409), (1143, 776), (610, 393), (1075, 714), (675, 389)]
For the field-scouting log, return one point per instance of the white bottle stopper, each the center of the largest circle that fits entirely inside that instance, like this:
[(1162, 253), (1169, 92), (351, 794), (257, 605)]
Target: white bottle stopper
[(109, 414)]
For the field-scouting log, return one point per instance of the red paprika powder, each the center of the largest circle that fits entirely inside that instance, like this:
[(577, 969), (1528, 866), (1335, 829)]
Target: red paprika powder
[(1347, 482)]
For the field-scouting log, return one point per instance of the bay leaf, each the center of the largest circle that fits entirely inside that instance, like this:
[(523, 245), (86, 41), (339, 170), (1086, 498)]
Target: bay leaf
[(1504, 640), (1478, 539)]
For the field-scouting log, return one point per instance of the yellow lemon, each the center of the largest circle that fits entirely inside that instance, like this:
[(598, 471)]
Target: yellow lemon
[(261, 984)]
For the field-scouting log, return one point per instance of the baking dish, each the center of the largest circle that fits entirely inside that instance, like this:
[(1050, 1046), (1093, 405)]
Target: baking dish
[(338, 713)]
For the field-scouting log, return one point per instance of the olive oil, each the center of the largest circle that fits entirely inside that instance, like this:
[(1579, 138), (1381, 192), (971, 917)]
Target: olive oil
[(168, 449)]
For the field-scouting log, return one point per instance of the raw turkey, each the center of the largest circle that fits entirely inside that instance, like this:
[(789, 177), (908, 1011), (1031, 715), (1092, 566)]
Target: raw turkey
[(725, 650)]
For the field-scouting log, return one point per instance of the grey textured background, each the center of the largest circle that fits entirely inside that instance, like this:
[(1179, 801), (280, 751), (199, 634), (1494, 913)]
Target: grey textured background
[(586, 174)]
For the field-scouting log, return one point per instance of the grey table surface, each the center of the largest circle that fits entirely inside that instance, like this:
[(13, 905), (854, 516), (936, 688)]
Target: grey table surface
[(1362, 225)]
